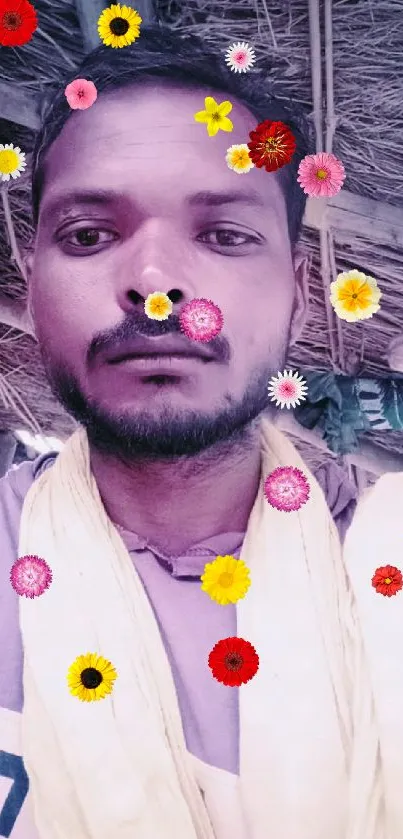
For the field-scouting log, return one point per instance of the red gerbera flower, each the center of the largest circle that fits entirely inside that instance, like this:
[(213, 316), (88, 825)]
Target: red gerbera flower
[(387, 580), (233, 661), (18, 22), (272, 145)]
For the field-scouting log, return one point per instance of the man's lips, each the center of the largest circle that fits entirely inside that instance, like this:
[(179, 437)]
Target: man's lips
[(157, 350)]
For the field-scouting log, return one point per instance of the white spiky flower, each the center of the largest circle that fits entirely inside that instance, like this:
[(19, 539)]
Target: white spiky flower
[(240, 57), (287, 389), (12, 161)]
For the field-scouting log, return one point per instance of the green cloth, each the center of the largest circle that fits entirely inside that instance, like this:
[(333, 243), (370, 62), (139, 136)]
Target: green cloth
[(342, 407)]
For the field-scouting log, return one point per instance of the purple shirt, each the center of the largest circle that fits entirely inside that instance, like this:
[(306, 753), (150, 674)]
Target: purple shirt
[(190, 624)]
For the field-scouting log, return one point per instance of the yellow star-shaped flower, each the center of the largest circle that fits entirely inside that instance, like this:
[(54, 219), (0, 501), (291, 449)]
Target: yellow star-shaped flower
[(215, 116)]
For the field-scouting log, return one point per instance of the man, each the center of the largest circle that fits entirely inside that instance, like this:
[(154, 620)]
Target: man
[(373, 556), (131, 197)]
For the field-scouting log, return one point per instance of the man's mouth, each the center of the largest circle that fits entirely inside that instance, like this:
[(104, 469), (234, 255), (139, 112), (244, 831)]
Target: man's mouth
[(159, 363), (164, 352)]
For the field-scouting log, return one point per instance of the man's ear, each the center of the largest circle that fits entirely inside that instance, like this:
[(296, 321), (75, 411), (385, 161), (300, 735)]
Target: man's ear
[(301, 304)]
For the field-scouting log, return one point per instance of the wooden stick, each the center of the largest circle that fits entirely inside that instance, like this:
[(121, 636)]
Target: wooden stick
[(88, 12), (20, 105), (15, 251), (316, 70)]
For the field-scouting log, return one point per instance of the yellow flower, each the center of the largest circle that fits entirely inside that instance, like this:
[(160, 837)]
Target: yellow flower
[(91, 677), (119, 25), (215, 116), (12, 161), (226, 579), (238, 159), (158, 306), (355, 296)]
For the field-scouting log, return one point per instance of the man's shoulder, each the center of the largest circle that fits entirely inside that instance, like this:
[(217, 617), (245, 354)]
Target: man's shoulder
[(13, 489)]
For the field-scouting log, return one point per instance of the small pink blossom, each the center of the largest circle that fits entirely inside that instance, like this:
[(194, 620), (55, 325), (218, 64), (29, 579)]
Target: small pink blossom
[(201, 320), (240, 57), (287, 389), (321, 175), (81, 94), (30, 576), (286, 488)]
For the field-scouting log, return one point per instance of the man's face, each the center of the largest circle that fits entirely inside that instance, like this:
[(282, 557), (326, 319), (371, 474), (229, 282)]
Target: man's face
[(172, 217)]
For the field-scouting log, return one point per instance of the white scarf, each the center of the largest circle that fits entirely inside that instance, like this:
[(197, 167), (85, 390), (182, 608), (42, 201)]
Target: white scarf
[(375, 539), (119, 767)]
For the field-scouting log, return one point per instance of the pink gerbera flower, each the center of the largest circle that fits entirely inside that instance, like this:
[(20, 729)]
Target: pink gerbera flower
[(287, 389), (30, 576), (240, 57), (286, 488), (201, 320), (81, 94), (321, 175)]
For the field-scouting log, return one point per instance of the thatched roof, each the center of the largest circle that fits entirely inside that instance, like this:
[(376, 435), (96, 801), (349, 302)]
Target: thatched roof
[(352, 92)]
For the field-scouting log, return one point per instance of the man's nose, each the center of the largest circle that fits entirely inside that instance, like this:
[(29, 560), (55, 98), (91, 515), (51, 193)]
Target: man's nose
[(157, 259)]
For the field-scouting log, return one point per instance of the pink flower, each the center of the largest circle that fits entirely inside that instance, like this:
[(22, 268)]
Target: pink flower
[(81, 94), (201, 320), (30, 576), (321, 175), (240, 57), (286, 488)]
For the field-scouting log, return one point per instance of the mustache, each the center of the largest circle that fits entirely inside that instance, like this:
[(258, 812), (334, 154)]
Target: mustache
[(138, 323)]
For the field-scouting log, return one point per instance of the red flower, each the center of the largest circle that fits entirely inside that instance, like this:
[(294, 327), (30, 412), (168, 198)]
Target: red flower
[(233, 661), (387, 580), (272, 145), (18, 22)]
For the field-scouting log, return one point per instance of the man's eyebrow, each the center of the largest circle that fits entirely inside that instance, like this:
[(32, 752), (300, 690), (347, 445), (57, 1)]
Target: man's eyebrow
[(217, 199), (66, 201)]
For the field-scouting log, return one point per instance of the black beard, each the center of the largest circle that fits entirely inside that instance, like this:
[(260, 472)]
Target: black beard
[(170, 435)]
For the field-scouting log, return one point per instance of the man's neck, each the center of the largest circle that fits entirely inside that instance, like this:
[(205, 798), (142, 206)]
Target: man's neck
[(176, 504)]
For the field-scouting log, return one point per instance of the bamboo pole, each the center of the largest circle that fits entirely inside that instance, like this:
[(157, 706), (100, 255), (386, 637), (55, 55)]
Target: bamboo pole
[(316, 75)]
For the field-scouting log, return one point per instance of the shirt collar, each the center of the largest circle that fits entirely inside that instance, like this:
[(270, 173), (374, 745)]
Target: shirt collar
[(192, 562)]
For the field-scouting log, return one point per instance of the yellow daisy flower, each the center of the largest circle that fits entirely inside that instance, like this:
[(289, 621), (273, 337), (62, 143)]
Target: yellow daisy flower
[(226, 579), (158, 306), (215, 116), (355, 296), (238, 159), (91, 677), (12, 161), (119, 25)]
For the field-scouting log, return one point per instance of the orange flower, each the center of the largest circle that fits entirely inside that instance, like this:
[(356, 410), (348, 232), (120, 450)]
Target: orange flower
[(387, 580), (272, 145)]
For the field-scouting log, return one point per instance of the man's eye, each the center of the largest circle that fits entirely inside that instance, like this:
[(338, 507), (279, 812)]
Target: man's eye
[(226, 238), (88, 237)]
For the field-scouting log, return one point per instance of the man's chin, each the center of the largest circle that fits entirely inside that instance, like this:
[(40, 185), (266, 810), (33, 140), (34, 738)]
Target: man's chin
[(168, 436), (134, 434)]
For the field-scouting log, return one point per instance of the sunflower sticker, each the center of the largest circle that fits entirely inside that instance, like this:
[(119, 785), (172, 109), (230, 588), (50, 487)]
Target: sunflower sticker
[(91, 677), (119, 26)]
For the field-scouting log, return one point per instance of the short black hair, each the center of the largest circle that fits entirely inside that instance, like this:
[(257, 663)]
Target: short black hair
[(161, 54)]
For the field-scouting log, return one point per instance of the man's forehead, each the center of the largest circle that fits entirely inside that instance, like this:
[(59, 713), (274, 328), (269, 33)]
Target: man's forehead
[(155, 121), (138, 136)]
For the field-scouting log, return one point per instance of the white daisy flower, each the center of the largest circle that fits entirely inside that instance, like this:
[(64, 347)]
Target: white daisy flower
[(287, 389), (240, 57), (12, 161)]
